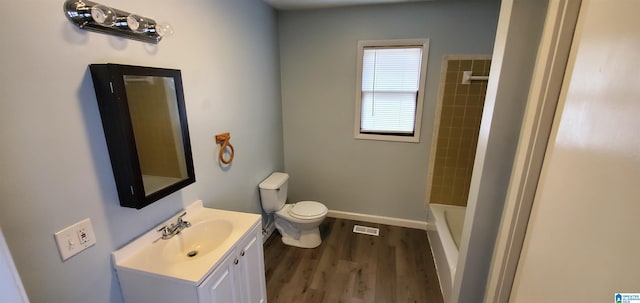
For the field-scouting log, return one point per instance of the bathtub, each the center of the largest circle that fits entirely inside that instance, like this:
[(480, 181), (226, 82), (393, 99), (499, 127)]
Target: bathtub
[(445, 240)]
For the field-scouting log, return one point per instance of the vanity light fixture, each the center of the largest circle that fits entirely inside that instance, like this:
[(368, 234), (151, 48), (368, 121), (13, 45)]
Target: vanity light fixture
[(107, 20)]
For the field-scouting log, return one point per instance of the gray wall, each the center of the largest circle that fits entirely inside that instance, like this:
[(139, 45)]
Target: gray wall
[(54, 158), (318, 72), (516, 48)]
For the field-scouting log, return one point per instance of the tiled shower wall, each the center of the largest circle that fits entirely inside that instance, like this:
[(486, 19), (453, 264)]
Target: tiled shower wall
[(460, 116)]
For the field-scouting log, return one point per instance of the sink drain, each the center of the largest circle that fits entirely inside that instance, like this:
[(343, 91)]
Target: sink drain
[(192, 253)]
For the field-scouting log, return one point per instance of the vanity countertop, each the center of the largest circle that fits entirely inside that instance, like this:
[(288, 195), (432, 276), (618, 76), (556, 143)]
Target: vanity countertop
[(212, 234)]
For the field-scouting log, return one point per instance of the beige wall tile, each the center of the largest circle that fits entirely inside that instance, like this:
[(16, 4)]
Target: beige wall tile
[(458, 133)]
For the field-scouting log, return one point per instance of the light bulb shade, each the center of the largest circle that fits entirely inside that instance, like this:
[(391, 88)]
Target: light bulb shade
[(137, 24), (164, 29), (103, 15)]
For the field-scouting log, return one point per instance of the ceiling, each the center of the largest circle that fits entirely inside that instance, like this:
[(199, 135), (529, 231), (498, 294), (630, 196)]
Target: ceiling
[(309, 4)]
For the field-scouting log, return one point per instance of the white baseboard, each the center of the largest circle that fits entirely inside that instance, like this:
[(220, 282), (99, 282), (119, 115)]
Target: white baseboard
[(380, 220), (267, 231)]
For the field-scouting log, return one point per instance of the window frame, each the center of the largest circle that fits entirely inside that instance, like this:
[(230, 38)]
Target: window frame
[(362, 44)]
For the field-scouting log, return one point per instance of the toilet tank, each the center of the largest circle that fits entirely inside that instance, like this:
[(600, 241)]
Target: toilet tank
[(273, 192)]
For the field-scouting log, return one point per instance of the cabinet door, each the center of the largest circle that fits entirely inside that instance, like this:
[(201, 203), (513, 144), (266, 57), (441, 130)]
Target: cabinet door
[(251, 269), (220, 286)]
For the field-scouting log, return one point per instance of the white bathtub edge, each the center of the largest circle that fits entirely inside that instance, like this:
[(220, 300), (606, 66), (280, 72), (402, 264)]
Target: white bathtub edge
[(442, 269), (415, 224), (443, 248)]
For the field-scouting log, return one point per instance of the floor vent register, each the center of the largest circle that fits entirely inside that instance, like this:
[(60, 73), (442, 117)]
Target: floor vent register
[(372, 231)]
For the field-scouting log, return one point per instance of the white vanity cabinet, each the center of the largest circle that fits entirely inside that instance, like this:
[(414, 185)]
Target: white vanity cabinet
[(219, 259), (240, 276), (252, 279)]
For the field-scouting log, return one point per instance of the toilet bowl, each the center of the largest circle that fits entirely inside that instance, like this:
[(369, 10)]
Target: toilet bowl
[(297, 222)]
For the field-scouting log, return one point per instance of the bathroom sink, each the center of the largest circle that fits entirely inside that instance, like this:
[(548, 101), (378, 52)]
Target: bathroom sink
[(190, 254), (196, 241)]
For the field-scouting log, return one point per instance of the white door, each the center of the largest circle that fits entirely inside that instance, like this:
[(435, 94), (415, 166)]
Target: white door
[(11, 289), (582, 243)]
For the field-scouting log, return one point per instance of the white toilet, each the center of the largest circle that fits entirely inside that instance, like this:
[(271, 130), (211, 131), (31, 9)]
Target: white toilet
[(298, 222)]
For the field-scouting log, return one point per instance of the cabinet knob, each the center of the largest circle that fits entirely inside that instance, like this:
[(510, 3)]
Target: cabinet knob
[(235, 261), (242, 253)]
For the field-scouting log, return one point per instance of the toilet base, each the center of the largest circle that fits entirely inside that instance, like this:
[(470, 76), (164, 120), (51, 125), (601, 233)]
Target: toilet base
[(308, 238), (297, 232)]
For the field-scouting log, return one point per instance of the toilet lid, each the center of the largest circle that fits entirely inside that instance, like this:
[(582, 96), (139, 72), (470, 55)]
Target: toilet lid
[(308, 209)]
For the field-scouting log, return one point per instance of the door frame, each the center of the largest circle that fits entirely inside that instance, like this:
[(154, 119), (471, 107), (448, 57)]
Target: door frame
[(541, 106)]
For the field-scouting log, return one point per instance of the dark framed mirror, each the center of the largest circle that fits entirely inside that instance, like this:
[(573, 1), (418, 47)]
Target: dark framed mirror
[(145, 126)]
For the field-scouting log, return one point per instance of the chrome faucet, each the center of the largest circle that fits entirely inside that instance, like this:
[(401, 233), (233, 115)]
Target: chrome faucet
[(168, 231)]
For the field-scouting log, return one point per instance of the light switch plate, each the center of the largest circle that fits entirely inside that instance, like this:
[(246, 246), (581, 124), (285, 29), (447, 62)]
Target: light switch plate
[(75, 239)]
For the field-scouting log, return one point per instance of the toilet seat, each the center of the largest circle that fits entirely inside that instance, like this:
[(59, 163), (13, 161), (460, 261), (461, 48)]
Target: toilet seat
[(308, 210)]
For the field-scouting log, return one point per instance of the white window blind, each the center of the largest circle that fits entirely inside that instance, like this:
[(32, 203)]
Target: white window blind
[(390, 82)]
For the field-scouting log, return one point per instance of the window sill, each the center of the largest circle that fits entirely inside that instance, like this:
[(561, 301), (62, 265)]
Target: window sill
[(410, 139)]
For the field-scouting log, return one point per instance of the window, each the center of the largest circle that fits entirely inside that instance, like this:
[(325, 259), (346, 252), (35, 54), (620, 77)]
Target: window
[(390, 93)]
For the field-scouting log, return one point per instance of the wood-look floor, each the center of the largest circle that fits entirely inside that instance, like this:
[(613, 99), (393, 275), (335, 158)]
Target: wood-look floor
[(395, 267)]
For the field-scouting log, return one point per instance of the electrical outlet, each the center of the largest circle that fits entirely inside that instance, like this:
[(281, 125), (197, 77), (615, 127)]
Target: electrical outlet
[(82, 235), (75, 239)]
